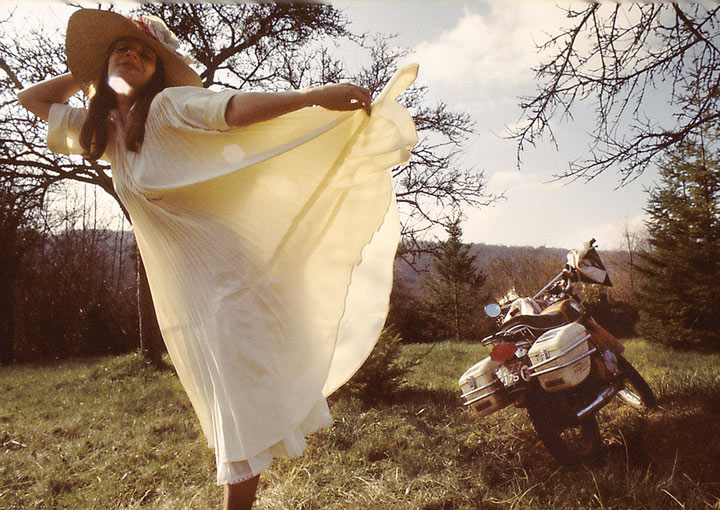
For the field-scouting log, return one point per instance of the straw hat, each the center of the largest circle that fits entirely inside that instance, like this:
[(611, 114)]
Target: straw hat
[(90, 33)]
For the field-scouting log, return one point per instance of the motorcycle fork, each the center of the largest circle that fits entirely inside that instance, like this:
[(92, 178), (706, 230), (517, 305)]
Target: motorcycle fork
[(601, 337), (598, 371)]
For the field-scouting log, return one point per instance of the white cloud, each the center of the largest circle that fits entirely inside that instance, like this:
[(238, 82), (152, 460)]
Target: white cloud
[(501, 180), (492, 48), (520, 181)]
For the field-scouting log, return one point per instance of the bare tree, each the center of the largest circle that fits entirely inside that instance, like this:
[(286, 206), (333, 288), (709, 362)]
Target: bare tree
[(651, 71), (268, 46), (238, 51), (522, 271), (635, 243)]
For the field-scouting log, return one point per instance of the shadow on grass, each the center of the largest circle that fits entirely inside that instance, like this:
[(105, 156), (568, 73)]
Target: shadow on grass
[(675, 446), (405, 395), (704, 397), (677, 439), (427, 396)]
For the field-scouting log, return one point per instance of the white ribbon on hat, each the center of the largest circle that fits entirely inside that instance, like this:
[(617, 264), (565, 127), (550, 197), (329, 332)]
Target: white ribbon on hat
[(157, 28)]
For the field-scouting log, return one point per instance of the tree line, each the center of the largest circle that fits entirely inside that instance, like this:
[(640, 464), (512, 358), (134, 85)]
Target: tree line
[(69, 281), (443, 295), (75, 289)]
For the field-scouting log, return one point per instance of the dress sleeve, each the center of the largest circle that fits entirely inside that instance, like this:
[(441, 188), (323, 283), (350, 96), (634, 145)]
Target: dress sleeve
[(188, 141), (194, 107), (64, 125)]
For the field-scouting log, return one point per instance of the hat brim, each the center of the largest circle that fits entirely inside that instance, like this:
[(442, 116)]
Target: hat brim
[(90, 34)]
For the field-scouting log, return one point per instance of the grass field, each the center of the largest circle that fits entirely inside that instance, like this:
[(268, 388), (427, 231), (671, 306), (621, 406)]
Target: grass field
[(114, 434)]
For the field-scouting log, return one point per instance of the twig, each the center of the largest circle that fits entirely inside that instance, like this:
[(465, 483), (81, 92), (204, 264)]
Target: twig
[(674, 498), (597, 489), (672, 473)]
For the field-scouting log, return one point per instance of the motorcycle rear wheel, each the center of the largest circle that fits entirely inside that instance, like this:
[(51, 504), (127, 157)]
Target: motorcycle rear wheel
[(571, 441), (637, 392)]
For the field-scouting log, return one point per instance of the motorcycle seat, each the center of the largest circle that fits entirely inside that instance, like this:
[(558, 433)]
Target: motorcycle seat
[(544, 321)]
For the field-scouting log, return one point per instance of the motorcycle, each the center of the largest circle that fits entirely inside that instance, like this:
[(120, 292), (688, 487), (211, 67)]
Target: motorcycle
[(551, 357)]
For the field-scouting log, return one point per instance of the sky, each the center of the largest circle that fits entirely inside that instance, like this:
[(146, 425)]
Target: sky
[(477, 58)]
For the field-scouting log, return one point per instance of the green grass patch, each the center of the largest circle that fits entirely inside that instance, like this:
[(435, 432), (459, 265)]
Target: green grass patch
[(113, 433)]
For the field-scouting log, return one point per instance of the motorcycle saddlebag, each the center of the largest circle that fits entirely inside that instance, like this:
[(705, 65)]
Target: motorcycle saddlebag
[(561, 357), (481, 389)]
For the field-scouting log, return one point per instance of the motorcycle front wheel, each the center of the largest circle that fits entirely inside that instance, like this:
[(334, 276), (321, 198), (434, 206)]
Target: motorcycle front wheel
[(636, 392), (571, 441)]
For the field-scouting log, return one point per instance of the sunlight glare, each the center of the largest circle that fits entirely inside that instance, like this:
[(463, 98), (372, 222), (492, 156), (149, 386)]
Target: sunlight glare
[(119, 85), (233, 153)]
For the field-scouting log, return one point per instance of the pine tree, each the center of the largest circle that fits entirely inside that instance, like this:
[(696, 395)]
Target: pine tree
[(454, 289), (678, 300)]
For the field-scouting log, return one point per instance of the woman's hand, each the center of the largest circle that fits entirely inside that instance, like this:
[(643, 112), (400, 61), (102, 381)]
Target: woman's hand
[(39, 97), (342, 97), (247, 108)]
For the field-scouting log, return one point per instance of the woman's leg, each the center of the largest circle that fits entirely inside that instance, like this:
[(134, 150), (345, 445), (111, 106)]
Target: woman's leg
[(240, 496)]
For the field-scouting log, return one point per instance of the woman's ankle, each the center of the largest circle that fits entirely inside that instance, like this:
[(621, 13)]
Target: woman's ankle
[(240, 496)]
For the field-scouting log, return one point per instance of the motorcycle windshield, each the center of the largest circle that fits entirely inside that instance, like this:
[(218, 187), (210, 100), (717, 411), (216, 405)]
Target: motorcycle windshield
[(589, 266)]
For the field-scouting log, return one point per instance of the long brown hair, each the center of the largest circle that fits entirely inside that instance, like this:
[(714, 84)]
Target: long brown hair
[(98, 125)]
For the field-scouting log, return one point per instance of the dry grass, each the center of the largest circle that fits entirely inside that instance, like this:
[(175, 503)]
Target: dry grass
[(114, 434)]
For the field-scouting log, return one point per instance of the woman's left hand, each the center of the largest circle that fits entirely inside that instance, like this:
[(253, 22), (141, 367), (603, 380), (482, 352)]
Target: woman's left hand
[(247, 108), (342, 97)]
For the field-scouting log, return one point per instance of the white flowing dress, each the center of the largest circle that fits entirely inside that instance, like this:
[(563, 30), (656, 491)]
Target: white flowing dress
[(269, 252)]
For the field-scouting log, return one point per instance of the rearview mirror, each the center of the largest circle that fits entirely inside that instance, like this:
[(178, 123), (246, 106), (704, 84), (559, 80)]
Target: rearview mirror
[(493, 310)]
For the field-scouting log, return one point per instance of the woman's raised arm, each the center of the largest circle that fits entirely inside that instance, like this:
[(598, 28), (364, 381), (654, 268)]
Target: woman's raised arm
[(251, 107), (39, 97)]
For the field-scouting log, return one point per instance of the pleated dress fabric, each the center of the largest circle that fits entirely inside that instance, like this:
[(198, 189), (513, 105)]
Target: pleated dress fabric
[(269, 252)]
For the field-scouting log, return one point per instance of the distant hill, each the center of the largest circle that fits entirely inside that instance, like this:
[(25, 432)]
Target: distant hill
[(503, 264)]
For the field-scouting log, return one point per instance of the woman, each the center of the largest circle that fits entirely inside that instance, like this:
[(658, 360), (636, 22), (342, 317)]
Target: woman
[(267, 228)]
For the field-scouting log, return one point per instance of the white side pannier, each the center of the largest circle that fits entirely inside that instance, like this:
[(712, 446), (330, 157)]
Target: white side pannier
[(481, 389), (561, 357)]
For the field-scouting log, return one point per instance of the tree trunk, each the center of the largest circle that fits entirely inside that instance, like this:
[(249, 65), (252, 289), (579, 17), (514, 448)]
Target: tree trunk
[(631, 251), (456, 304), (7, 325), (151, 342), (10, 256)]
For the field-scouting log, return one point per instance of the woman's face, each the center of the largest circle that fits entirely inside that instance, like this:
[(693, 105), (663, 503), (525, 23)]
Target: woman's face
[(131, 66)]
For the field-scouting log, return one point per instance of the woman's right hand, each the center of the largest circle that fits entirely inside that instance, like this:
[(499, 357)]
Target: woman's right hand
[(39, 97)]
